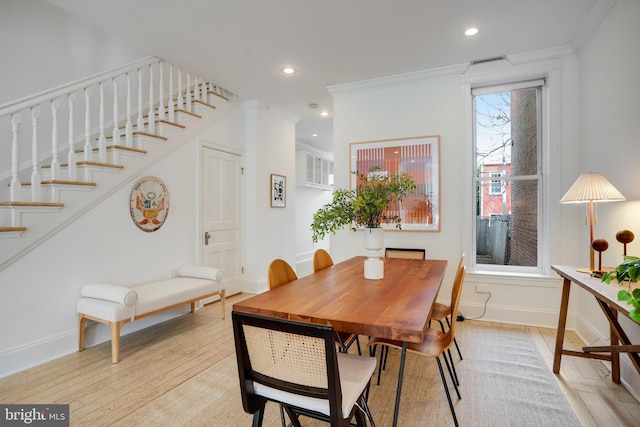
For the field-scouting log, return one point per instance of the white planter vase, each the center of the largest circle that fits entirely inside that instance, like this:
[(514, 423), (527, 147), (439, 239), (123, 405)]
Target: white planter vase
[(373, 244)]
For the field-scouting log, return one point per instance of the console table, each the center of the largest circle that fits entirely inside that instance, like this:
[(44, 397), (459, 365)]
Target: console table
[(607, 298)]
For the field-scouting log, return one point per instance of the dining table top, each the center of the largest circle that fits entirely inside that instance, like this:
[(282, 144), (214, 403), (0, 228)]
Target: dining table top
[(397, 306)]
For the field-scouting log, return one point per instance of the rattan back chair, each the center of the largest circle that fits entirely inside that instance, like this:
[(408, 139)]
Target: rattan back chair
[(296, 365)]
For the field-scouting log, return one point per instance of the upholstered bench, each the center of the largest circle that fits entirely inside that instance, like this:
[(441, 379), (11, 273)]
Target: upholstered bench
[(117, 305)]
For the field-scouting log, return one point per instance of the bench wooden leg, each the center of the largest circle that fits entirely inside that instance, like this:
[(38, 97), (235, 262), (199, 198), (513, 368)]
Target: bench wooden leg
[(115, 340), (222, 301), (81, 324)]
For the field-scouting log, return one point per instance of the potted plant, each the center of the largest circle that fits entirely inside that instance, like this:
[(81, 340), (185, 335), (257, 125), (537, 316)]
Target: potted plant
[(365, 206), (627, 271)]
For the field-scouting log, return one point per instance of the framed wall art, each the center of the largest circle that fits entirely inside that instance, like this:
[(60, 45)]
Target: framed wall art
[(418, 156), (278, 191), (149, 204)]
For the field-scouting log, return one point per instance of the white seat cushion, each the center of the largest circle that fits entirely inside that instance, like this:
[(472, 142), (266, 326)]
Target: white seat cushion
[(158, 295), (355, 373)]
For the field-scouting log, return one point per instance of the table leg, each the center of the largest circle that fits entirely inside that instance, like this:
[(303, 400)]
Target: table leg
[(399, 389), (562, 323), (615, 356)]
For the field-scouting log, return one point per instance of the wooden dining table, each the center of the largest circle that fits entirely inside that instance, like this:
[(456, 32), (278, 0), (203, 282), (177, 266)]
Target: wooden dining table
[(397, 306)]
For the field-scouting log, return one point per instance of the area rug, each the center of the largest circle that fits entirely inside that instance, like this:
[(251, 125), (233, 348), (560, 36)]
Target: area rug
[(503, 382)]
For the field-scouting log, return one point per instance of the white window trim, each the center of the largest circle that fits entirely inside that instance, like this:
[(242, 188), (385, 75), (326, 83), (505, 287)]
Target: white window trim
[(550, 98)]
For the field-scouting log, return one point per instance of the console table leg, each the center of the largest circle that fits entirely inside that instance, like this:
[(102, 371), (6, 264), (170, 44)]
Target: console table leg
[(562, 323)]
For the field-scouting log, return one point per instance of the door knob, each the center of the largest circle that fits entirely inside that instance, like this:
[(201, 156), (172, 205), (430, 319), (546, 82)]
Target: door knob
[(207, 236)]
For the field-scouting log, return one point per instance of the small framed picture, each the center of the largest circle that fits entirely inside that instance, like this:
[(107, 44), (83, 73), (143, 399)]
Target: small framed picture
[(278, 191)]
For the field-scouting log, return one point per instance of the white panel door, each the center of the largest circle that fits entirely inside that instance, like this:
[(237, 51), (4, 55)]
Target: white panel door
[(222, 215)]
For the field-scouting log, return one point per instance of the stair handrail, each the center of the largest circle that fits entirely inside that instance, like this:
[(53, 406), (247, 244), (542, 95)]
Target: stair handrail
[(67, 88)]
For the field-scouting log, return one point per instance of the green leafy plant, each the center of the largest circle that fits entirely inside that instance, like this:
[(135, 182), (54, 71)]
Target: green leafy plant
[(364, 206), (627, 271)]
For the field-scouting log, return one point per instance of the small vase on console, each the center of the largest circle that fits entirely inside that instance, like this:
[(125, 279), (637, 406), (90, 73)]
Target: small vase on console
[(373, 244)]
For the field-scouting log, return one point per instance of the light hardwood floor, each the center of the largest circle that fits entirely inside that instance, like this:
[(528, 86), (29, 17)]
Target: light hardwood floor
[(161, 358)]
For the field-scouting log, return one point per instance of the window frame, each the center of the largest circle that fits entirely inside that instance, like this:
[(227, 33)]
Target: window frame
[(470, 89)]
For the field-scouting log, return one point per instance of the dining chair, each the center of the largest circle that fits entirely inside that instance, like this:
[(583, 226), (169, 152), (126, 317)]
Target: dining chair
[(442, 312), (279, 273), (435, 342), (405, 253), (296, 365), (322, 260)]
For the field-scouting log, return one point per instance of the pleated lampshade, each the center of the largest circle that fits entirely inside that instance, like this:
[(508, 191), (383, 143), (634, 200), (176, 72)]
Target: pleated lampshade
[(592, 186)]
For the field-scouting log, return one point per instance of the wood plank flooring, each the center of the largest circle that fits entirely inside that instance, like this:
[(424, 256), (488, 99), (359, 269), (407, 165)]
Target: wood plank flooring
[(159, 359)]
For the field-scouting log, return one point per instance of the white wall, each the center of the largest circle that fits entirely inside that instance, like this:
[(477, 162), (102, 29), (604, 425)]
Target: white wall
[(43, 46), (435, 103), (610, 133), (269, 232)]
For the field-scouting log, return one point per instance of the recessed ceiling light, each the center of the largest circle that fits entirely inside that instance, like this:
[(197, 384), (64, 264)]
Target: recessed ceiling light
[(315, 134), (288, 70), (471, 32), (324, 113)]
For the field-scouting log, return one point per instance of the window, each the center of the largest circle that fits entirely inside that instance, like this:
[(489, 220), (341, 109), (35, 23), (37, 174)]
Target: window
[(496, 189), (507, 176)]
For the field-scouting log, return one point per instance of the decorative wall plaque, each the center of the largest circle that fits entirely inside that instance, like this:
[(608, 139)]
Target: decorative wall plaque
[(149, 204)]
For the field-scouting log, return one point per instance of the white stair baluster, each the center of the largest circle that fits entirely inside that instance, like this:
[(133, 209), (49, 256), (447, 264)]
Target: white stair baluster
[(172, 114), (161, 91), (116, 131), (196, 92), (71, 154), (55, 162), (87, 125), (102, 140), (152, 114), (204, 92), (180, 102), (129, 126), (140, 124), (36, 193), (188, 92), (15, 185)]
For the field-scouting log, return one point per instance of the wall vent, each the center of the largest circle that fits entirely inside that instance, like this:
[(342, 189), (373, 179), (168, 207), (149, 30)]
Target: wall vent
[(485, 60)]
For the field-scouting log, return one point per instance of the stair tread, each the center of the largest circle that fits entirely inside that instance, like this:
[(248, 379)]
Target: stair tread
[(190, 113), (115, 147), (87, 163), (62, 182), (32, 204), (197, 101), (12, 229), (218, 95)]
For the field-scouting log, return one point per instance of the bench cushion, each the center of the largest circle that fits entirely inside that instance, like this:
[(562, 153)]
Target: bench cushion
[(115, 303), (157, 295)]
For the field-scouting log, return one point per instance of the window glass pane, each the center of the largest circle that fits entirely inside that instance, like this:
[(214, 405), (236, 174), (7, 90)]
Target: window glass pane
[(506, 177), (507, 224), (507, 126)]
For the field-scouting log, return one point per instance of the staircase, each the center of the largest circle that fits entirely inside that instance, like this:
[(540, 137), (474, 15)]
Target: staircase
[(107, 143)]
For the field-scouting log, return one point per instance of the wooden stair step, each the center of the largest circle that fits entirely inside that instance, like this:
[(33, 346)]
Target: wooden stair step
[(32, 204), (88, 163), (12, 229), (62, 182)]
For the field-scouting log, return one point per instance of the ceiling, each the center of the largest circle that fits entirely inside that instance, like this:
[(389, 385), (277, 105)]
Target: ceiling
[(242, 45)]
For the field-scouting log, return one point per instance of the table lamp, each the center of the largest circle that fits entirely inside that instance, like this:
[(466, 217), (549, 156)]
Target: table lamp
[(591, 187)]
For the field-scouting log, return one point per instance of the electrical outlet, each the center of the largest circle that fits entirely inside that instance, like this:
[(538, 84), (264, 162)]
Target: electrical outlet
[(482, 288)]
